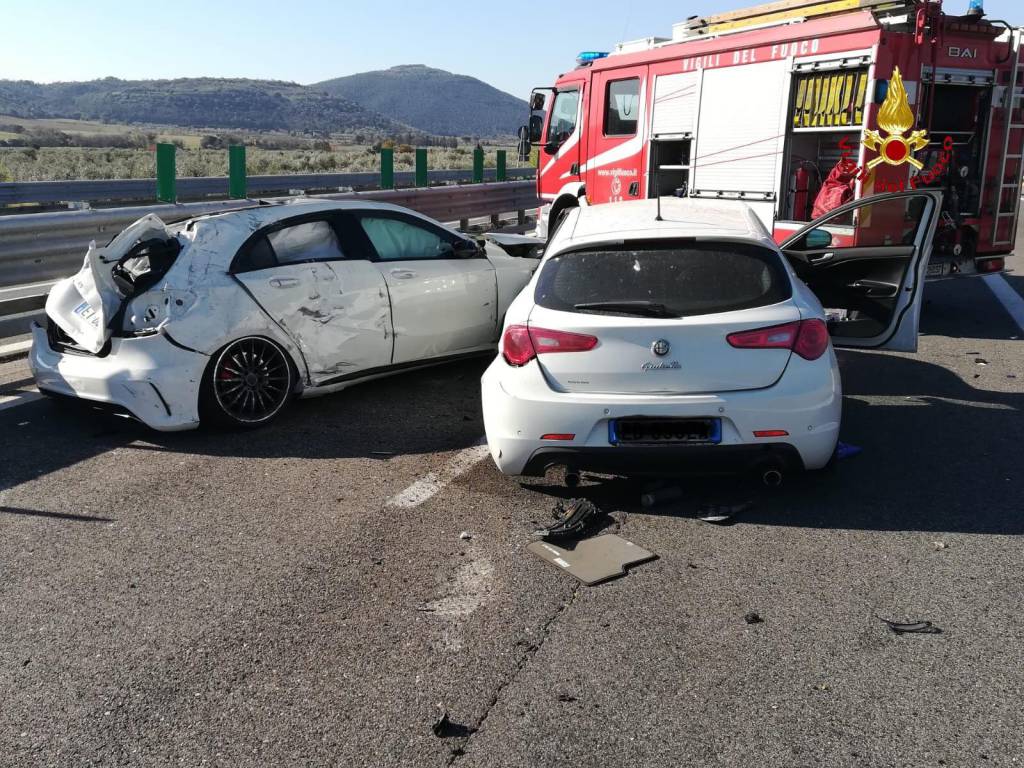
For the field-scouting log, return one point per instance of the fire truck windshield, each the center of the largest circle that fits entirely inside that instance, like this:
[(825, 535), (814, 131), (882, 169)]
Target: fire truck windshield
[(563, 116)]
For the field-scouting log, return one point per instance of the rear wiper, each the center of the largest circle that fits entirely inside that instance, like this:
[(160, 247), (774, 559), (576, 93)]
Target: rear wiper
[(644, 308)]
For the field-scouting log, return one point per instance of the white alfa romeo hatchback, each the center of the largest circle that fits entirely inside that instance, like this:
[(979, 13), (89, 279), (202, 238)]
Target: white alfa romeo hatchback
[(694, 343)]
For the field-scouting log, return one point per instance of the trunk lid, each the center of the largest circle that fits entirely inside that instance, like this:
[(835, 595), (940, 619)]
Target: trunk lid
[(698, 358), (661, 312), (84, 304)]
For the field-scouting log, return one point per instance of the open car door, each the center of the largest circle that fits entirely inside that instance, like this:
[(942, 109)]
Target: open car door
[(866, 263)]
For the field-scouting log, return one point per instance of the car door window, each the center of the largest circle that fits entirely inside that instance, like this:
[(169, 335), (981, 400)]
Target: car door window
[(865, 262), (309, 241), (400, 240)]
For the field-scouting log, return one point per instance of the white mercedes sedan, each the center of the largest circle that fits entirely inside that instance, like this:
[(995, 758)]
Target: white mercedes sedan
[(691, 342), (225, 317)]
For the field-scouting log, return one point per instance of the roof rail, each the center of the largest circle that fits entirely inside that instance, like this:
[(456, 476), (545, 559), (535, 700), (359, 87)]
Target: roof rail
[(777, 12)]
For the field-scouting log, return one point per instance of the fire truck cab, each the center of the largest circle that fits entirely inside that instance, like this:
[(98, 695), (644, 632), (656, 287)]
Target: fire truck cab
[(794, 108)]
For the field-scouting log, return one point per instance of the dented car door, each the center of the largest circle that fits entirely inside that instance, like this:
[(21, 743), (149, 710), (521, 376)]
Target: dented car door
[(443, 289), (322, 289)]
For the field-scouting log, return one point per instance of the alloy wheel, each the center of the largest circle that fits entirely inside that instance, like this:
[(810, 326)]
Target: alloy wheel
[(251, 380)]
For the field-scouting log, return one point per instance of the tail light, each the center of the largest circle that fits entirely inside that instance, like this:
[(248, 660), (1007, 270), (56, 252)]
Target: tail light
[(521, 344), (808, 338), (990, 265)]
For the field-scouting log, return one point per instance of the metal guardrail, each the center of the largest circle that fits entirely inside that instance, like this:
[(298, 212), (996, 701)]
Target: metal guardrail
[(196, 188), (42, 246)]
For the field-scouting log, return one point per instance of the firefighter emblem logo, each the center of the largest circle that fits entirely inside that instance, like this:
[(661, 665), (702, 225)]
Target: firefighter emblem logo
[(616, 188), (895, 118)]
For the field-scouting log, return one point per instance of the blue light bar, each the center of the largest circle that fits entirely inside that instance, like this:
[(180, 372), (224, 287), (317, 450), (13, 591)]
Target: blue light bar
[(588, 56)]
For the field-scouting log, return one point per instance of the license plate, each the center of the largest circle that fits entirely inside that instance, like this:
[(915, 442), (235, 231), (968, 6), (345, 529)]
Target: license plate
[(936, 270), (655, 431), (87, 313)]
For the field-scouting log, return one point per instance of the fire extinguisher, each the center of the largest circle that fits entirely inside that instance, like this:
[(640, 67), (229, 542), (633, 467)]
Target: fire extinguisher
[(804, 188)]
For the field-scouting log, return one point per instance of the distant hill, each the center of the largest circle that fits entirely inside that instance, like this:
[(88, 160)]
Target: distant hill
[(194, 102), (433, 100)]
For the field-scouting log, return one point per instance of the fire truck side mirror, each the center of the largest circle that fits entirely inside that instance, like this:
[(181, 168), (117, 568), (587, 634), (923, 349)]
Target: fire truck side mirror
[(536, 128), (525, 147), (536, 101)]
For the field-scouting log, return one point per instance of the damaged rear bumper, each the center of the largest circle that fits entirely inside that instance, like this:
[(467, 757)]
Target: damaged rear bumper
[(156, 381)]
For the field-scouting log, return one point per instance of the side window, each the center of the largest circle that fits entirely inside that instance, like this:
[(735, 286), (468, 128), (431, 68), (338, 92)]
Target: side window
[(563, 116), (312, 241), (622, 106), (260, 256), (400, 240), (888, 221)]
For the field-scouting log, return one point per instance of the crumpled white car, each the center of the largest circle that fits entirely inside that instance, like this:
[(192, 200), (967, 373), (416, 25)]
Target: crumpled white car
[(227, 316), (689, 342)]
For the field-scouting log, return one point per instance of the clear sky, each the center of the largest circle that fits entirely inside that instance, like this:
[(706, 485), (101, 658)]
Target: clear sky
[(512, 45)]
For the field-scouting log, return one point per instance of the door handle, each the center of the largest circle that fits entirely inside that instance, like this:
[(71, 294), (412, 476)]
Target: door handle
[(402, 274), (875, 289), (827, 256), (284, 282)]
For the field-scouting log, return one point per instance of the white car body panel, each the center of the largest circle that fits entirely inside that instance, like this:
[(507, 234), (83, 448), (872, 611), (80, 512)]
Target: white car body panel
[(335, 323), (337, 313), (802, 397), (83, 304), (464, 287)]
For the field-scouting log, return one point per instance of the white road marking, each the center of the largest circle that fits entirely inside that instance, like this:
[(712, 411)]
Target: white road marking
[(22, 398), (1009, 298), (428, 486)]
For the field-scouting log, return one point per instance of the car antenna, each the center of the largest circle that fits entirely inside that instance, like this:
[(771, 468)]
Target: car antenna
[(657, 194)]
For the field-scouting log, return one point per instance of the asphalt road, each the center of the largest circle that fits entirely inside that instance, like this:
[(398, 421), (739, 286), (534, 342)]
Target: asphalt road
[(254, 599)]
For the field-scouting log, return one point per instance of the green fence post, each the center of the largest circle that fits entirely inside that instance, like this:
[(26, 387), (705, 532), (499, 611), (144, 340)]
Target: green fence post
[(166, 191), (478, 165), (387, 168), (499, 165), (422, 178), (236, 171)]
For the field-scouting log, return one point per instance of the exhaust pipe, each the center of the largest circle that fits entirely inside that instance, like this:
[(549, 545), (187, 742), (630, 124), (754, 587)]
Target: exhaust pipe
[(772, 478)]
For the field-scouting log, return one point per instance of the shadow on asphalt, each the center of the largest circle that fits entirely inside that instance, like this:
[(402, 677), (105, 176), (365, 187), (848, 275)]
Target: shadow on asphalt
[(938, 455), (965, 308), (423, 412), (54, 515)]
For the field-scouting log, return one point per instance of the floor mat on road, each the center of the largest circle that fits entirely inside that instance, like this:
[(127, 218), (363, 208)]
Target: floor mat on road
[(593, 560)]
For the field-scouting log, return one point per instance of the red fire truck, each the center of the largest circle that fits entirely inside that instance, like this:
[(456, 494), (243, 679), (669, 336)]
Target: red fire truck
[(790, 108)]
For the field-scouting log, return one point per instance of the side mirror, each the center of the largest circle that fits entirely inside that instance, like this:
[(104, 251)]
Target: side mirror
[(466, 249), (525, 147), (536, 101), (536, 128), (816, 239)]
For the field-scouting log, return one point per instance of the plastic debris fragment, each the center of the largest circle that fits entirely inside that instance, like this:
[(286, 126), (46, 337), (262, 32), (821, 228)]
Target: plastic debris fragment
[(847, 451), (721, 514), (912, 627), (661, 495), (572, 519)]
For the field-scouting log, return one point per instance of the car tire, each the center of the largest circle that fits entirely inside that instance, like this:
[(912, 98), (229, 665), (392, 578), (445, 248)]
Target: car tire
[(247, 383)]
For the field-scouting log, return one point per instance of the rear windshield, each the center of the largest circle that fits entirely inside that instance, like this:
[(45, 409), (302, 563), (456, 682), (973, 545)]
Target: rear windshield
[(685, 278)]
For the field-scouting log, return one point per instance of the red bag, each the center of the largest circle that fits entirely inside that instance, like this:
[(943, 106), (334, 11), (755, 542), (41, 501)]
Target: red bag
[(837, 189)]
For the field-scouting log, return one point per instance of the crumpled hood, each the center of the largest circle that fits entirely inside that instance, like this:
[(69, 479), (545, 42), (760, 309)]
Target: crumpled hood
[(83, 304)]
